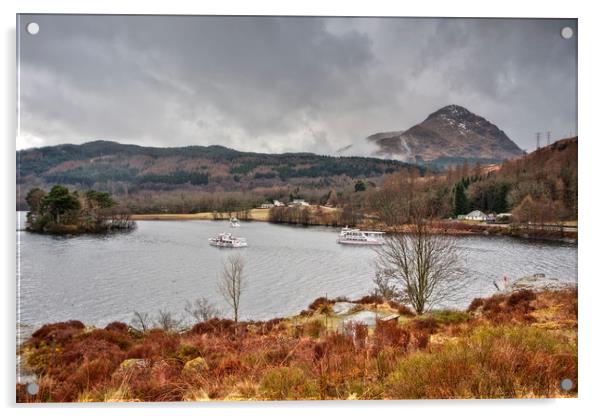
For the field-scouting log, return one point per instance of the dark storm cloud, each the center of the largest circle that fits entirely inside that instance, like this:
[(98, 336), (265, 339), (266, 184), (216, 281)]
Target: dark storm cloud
[(286, 84)]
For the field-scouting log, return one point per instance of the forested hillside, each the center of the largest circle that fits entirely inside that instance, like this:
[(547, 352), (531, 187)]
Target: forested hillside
[(126, 170), (540, 186)]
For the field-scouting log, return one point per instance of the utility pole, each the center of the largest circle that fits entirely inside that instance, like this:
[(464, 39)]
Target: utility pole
[(548, 134), (537, 138)]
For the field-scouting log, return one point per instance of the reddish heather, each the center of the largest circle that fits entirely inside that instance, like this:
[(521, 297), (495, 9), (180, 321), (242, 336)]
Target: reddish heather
[(512, 345)]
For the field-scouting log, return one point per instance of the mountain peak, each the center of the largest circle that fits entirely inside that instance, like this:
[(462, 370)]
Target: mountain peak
[(447, 136), (452, 110)]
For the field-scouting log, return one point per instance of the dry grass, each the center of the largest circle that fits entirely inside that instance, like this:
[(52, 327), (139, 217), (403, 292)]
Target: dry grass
[(255, 214), (518, 345), (493, 362)]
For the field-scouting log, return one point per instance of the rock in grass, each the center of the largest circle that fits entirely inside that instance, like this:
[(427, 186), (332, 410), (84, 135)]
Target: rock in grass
[(343, 308), (134, 363), (538, 282), (195, 366), (367, 318)]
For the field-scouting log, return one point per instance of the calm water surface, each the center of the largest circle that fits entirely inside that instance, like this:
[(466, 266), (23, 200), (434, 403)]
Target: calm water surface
[(162, 264)]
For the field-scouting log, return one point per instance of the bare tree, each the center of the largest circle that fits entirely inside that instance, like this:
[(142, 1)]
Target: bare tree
[(201, 310), (141, 321), (424, 268), (232, 282), (167, 322), (385, 286)]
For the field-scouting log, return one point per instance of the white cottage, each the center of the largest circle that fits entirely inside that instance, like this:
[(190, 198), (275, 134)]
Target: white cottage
[(476, 216), (298, 203)]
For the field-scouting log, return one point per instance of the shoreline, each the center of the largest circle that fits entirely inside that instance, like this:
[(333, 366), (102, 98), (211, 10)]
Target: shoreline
[(535, 283), (255, 214), (567, 234)]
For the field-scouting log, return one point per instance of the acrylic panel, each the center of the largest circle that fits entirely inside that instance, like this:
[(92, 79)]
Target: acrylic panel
[(295, 208)]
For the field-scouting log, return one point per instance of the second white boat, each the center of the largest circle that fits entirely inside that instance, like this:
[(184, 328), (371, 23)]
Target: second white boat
[(355, 236), (227, 240)]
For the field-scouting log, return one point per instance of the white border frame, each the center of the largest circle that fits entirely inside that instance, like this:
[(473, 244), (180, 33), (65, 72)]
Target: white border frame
[(589, 198)]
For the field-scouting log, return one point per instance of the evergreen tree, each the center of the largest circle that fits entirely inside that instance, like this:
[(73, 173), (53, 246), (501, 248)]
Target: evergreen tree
[(59, 201), (460, 199), (97, 199), (360, 186)]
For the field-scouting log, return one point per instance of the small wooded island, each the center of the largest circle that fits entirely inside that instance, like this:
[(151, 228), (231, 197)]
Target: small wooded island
[(61, 211)]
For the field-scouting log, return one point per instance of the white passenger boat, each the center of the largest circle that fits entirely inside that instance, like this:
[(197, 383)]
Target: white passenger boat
[(355, 236), (227, 240), (234, 223)]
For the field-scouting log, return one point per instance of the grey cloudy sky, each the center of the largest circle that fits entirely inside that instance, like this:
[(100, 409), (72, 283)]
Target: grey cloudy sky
[(270, 84)]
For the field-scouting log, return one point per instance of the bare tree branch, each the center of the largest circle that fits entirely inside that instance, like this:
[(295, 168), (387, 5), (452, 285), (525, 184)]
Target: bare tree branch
[(141, 321), (201, 310), (232, 282), (423, 267), (167, 322)]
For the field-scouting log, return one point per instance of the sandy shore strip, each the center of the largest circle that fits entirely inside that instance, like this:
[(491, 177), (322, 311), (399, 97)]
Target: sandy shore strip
[(255, 214)]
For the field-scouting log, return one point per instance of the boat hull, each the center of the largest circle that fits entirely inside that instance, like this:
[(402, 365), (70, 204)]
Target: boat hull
[(226, 245), (359, 243)]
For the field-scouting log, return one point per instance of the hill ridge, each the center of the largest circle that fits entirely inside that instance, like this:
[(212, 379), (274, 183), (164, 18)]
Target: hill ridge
[(103, 163)]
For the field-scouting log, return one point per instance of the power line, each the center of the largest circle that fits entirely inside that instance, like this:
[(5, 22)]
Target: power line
[(548, 134), (537, 138)]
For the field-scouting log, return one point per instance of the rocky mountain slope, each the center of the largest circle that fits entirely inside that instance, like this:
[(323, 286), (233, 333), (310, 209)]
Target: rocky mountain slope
[(449, 135)]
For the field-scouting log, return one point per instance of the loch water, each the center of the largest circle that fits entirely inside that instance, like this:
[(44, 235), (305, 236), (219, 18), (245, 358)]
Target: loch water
[(160, 265)]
